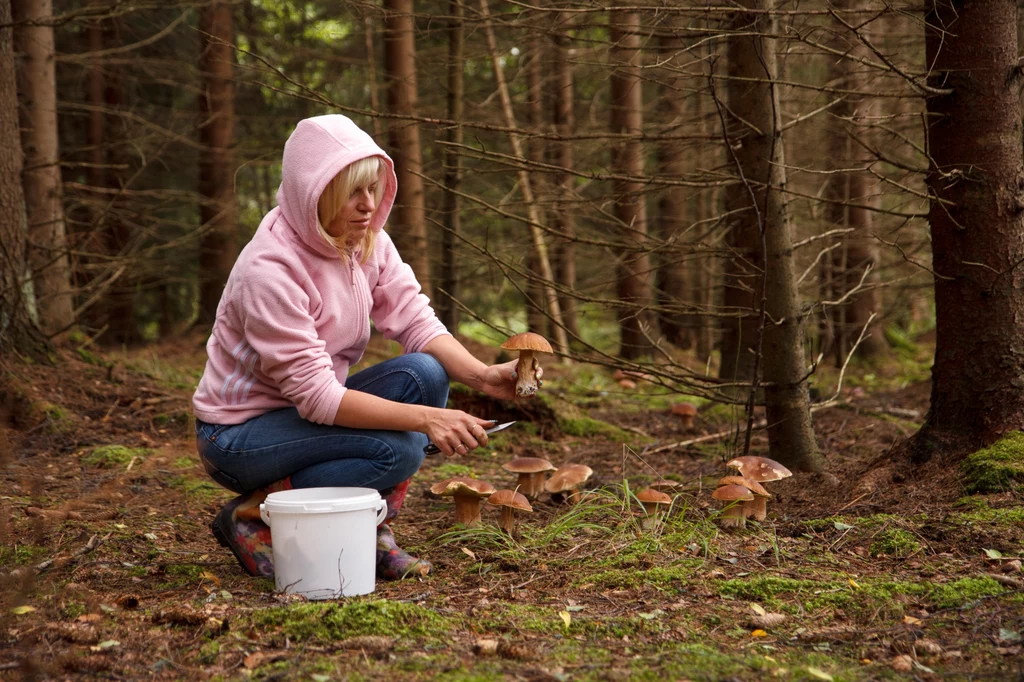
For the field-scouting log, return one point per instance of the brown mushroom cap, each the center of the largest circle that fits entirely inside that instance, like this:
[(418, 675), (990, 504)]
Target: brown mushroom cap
[(759, 469), (651, 496), (684, 409), (733, 493), (510, 498), (528, 465), (748, 483), (568, 477), (528, 341), (463, 486)]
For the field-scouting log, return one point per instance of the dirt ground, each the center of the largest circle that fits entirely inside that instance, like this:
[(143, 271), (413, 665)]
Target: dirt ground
[(868, 571)]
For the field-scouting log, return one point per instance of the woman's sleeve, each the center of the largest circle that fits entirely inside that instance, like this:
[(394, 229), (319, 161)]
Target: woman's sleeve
[(400, 310), (278, 325)]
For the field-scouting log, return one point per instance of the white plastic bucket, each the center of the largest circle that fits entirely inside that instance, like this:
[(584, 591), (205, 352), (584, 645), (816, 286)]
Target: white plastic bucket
[(324, 540)]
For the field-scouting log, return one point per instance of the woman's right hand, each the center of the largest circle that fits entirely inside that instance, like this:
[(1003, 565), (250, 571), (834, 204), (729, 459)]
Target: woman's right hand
[(456, 432)]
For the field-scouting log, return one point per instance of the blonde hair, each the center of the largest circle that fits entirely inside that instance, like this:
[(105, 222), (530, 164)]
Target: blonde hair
[(336, 194)]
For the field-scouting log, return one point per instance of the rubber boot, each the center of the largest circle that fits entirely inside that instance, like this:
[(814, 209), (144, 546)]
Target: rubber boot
[(393, 562), (238, 527)]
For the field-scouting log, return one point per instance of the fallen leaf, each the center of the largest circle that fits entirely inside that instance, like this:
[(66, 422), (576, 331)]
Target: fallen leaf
[(253, 660), (485, 647), (22, 610), (842, 526), (468, 552), (819, 673), (108, 644), (853, 584), (566, 618), (756, 608), (206, 575), (910, 620), (758, 633), (993, 554), (1008, 635), (902, 663)]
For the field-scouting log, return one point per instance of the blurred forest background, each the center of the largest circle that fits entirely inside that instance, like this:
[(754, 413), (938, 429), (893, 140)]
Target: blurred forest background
[(720, 197)]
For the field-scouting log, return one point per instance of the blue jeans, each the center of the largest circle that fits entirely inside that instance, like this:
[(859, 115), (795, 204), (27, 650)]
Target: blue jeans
[(253, 454)]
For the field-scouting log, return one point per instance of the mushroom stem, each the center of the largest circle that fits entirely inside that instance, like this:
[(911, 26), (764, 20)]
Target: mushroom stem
[(651, 508), (531, 485), (467, 510), (733, 516), (757, 508), (526, 374), (507, 521), (572, 496)]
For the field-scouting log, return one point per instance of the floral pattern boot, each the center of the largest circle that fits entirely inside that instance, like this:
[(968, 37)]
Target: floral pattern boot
[(393, 562), (239, 527)]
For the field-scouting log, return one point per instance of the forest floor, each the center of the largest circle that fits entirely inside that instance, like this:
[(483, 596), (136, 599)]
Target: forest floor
[(108, 568)]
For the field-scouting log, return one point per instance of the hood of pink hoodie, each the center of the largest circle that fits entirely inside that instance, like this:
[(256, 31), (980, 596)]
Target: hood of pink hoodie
[(316, 151)]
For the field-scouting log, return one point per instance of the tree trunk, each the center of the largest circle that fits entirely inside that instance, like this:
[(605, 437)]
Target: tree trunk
[(47, 238), (974, 136), (750, 104), (626, 104), (218, 246), (122, 326), (408, 224), (844, 189), (563, 221), (18, 332), (448, 311), (672, 162), (536, 314), (762, 164)]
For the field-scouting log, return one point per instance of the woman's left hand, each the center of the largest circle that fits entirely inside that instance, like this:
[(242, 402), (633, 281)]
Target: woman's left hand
[(499, 381)]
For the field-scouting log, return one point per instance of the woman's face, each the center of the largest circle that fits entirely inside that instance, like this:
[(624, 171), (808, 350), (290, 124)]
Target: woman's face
[(353, 220)]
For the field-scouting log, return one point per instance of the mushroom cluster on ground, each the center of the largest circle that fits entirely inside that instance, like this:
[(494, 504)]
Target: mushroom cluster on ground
[(743, 495)]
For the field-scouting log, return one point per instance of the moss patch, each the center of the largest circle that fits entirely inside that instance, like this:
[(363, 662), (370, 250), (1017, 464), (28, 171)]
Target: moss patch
[(997, 468), (335, 621), (895, 543), (109, 456)]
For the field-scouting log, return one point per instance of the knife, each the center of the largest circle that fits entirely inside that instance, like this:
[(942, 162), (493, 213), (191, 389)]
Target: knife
[(432, 449)]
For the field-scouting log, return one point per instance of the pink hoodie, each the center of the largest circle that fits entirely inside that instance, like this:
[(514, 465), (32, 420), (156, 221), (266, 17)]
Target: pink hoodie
[(293, 316)]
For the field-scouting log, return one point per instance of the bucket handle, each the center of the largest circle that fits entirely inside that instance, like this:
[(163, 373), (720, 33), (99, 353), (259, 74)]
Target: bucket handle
[(382, 511), (264, 514)]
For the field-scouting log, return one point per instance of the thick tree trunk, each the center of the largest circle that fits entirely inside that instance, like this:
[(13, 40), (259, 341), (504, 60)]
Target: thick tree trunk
[(563, 220), (37, 88), (18, 332), (448, 311), (633, 268), (762, 164), (536, 313), (218, 246), (750, 105), (671, 282), (851, 199), (977, 224), (408, 223)]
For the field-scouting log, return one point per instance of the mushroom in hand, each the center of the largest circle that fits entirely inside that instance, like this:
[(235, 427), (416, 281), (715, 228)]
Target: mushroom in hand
[(510, 501), (532, 471), (467, 493), (527, 344)]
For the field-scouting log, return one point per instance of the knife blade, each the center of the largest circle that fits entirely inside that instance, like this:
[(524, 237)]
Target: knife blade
[(432, 449)]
